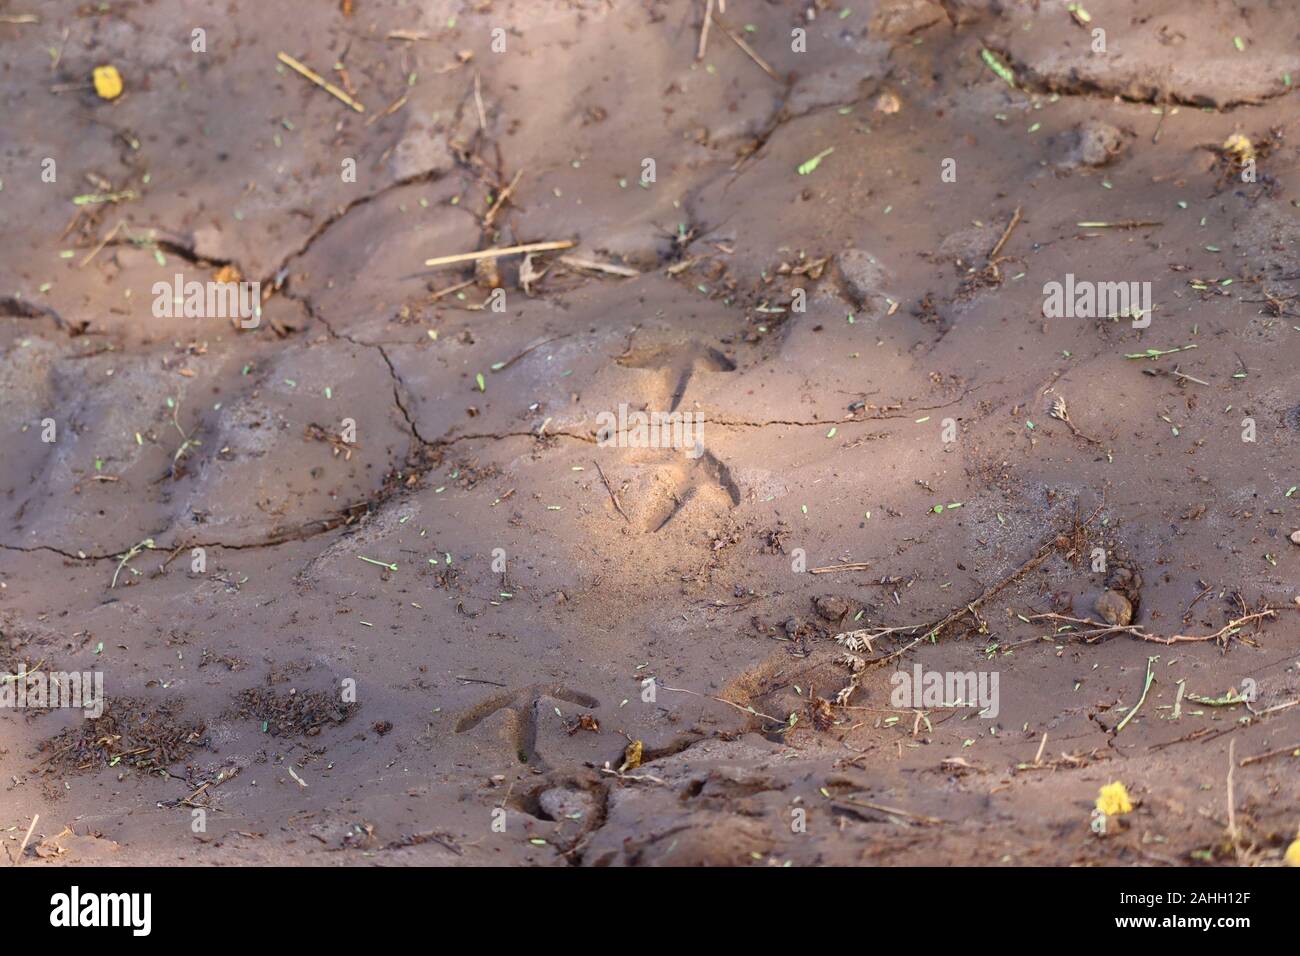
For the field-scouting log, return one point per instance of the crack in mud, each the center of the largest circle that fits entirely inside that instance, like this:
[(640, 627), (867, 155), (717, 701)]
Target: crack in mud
[(178, 248), (278, 274), (16, 307), (1031, 81), (398, 385), (418, 466)]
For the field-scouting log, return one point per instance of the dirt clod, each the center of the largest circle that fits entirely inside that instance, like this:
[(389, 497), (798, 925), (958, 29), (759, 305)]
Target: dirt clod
[(1095, 143), (1114, 608), (831, 607)]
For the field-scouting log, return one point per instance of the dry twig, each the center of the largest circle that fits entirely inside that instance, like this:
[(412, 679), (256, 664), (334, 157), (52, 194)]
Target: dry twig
[(500, 251), (319, 80), (1096, 630)]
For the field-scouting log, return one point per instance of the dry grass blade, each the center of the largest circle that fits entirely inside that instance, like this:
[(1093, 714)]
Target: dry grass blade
[(23, 847), (704, 30), (748, 50), (498, 252), (501, 200), (578, 262), (319, 80), (612, 496), (1006, 234)]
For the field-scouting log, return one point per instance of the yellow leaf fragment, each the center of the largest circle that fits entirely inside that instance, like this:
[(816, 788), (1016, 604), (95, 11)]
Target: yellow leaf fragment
[(108, 82), (631, 756), (1240, 148), (1113, 800), (1292, 855)]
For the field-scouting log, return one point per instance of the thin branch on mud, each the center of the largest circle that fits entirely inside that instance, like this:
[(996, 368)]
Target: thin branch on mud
[(612, 496), (932, 632), (891, 811), (610, 268), (704, 30), (637, 777), (832, 568), (1097, 630), (1006, 234), (1268, 755), (23, 848), (746, 48), (730, 703), (499, 252), (501, 200), (319, 80)]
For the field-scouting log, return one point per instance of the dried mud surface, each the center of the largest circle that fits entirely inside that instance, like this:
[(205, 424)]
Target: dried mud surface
[(822, 433)]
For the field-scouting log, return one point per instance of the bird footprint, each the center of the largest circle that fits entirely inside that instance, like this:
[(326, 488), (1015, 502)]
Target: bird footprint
[(523, 703)]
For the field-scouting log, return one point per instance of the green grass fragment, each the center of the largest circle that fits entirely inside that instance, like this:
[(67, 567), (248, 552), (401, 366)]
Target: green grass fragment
[(808, 166), (998, 67)]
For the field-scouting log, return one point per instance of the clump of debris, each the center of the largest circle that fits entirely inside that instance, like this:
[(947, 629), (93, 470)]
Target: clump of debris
[(132, 731), (293, 714)]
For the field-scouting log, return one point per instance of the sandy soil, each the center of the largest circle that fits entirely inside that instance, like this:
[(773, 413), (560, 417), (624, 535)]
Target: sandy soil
[(523, 581)]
